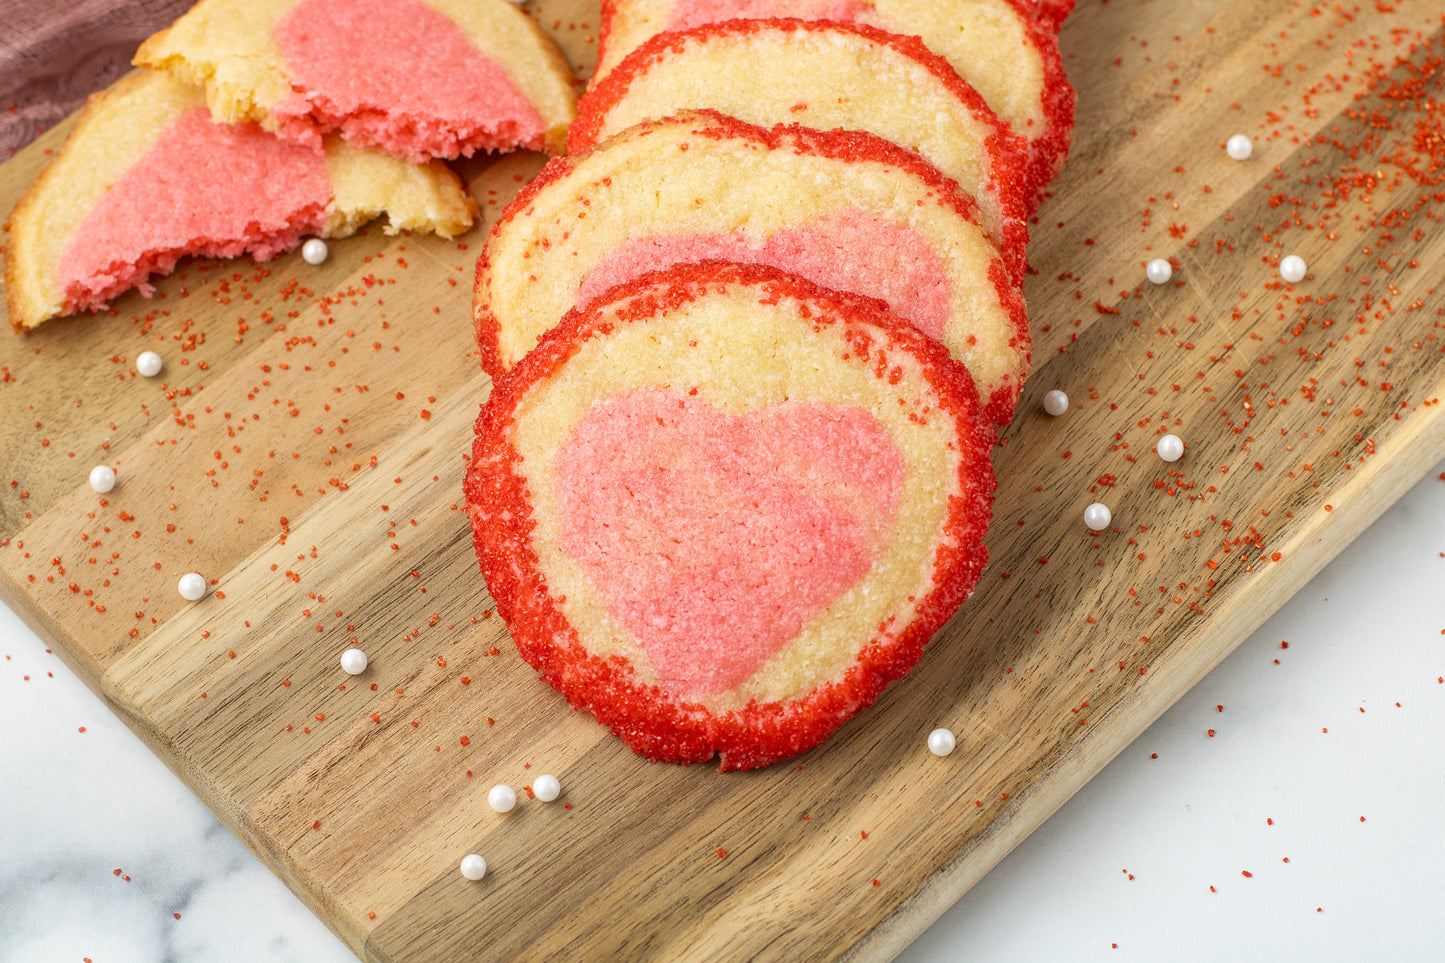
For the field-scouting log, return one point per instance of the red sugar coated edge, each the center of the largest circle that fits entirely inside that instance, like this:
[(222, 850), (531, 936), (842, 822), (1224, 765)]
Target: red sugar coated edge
[(1047, 149), (606, 14), (641, 715), (1007, 151), (848, 146), (999, 407), (1044, 14)]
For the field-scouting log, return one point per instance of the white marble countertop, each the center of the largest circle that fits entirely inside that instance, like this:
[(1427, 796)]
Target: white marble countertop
[(1286, 808)]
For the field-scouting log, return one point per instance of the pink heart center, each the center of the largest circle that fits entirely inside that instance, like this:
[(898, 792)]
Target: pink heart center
[(846, 250), (424, 89), (695, 13), (714, 537), (203, 188)]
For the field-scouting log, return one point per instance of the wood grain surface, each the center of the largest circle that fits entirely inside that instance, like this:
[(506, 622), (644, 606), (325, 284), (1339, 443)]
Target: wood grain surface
[(304, 450)]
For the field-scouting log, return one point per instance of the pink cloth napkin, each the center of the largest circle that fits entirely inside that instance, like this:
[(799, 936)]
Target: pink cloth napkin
[(54, 53)]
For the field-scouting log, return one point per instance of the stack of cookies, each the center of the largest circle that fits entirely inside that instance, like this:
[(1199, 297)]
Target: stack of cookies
[(751, 343)]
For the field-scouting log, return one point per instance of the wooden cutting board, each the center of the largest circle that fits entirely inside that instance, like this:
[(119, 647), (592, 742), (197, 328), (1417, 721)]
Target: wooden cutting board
[(305, 444)]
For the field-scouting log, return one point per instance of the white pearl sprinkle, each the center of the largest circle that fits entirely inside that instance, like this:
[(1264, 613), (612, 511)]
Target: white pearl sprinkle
[(102, 478), (502, 798), (148, 363), (314, 251), (546, 788), (473, 866), (1159, 271), (1097, 516), (1170, 448), (940, 742), (1239, 147), (1056, 402), (1292, 268), (353, 661), (192, 586)]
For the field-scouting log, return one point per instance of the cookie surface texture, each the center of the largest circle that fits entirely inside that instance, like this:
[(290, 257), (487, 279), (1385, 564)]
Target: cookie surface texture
[(415, 78), (146, 178), (722, 509), (844, 209), (826, 76), (1007, 50)]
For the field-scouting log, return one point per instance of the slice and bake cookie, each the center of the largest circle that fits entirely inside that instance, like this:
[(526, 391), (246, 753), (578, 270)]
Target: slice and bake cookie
[(1007, 50), (830, 77), (416, 78), (147, 177), (845, 209), (722, 509)]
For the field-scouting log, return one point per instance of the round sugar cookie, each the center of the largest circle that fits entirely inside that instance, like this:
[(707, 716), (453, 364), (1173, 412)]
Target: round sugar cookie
[(722, 509), (846, 209), (828, 76), (1007, 50)]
